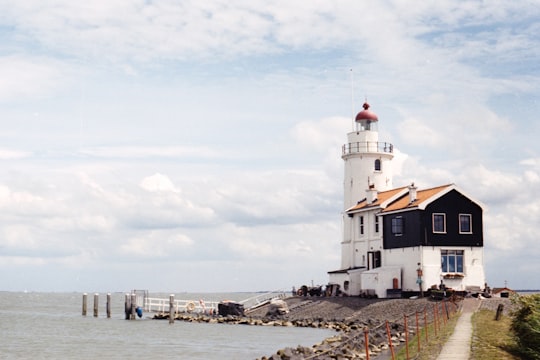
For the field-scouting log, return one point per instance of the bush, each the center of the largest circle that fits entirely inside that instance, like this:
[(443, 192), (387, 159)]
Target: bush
[(526, 325)]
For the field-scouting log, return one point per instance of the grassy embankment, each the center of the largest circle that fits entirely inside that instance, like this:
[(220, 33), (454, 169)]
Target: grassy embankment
[(491, 339), (431, 349)]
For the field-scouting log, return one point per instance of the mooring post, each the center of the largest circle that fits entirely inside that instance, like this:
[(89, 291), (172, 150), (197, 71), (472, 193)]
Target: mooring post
[(96, 301), (127, 306), (133, 306), (84, 303), (171, 309), (108, 306)]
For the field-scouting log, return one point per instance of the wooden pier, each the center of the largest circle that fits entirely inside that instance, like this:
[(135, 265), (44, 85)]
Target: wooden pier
[(138, 302)]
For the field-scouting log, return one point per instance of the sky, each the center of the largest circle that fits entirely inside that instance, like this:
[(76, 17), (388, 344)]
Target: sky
[(195, 146)]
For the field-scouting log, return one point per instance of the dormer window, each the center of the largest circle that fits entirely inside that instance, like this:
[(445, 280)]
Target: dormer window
[(377, 164)]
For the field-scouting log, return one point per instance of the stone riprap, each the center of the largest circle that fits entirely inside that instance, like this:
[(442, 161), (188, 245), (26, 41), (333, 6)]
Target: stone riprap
[(491, 304), (349, 316)]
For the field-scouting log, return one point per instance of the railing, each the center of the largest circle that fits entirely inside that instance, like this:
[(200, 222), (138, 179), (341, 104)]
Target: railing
[(201, 306), (367, 146), (262, 299), (191, 306)]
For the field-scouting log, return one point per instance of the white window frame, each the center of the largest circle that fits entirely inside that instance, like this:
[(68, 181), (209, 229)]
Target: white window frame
[(470, 224), (433, 223), (393, 223), (455, 253)]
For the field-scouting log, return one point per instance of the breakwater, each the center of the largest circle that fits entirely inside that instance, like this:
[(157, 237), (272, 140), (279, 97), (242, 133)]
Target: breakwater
[(381, 324)]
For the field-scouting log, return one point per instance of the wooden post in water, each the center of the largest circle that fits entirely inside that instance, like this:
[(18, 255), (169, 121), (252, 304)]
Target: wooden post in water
[(171, 309), (96, 301), (127, 306), (108, 306), (84, 303), (133, 306)]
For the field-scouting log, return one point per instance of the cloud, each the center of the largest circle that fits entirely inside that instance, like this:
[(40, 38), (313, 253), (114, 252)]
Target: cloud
[(34, 77), (156, 245), (205, 137), (151, 151), (8, 154), (166, 30), (158, 183)]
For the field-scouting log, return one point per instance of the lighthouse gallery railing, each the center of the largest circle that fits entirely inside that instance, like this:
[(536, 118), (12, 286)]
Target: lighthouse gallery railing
[(367, 146)]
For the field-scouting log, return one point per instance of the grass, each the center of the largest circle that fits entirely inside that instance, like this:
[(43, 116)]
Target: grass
[(492, 339), (431, 350)]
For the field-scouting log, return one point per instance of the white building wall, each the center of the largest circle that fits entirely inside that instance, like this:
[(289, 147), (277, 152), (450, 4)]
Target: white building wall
[(430, 259), (381, 279), (473, 268), (355, 245), (407, 259)]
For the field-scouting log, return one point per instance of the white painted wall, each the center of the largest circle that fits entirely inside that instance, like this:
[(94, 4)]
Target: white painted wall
[(355, 246), (430, 258), (381, 279), (407, 259), (473, 267)]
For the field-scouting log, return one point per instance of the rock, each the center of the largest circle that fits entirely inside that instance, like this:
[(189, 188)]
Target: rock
[(277, 307)]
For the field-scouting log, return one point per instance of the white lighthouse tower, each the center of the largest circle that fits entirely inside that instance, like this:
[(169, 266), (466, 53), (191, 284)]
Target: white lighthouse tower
[(367, 172), (367, 161)]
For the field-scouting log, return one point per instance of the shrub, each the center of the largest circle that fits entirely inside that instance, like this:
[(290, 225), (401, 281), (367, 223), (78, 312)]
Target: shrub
[(526, 325)]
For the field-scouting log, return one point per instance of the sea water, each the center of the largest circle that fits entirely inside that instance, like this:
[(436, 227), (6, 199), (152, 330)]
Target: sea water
[(51, 326)]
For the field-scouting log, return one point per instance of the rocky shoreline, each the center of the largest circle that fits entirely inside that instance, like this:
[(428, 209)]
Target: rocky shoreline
[(349, 316), (354, 315)]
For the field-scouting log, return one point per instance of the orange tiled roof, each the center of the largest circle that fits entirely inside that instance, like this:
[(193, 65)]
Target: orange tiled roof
[(421, 196), (381, 198)]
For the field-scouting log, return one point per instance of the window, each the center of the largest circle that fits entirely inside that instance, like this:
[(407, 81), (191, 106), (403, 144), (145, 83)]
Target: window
[(439, 223), (452, 261), (465, 221), (398, 225), (377, 164), (361, 225), (376, 224)]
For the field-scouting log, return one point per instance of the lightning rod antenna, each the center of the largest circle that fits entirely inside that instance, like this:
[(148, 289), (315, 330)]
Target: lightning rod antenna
[(352, 99)]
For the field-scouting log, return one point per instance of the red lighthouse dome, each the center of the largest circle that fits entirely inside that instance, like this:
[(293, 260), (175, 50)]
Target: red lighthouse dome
[(366, 114)]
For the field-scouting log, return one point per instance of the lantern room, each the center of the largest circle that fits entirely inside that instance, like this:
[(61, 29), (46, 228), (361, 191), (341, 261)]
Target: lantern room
[(366, 120)]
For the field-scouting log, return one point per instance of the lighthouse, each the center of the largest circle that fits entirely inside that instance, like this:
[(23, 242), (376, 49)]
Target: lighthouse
[(367, 161), (402, 241), (367, 173)]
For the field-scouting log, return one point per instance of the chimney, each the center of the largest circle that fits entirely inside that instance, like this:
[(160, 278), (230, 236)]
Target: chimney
[(371, 194), (412, 193)]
